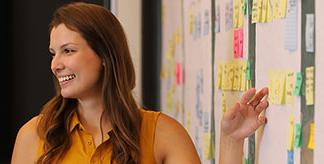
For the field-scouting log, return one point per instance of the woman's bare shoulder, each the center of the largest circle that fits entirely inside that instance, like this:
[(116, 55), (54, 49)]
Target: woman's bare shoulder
[(26, 143), (169, 132)]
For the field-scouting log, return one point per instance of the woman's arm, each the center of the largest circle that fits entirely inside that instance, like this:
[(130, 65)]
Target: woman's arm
[(172, 143), (26, 144), (240, 122)]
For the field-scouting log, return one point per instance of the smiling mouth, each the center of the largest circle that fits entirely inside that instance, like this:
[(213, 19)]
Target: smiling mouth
[(66, 78)]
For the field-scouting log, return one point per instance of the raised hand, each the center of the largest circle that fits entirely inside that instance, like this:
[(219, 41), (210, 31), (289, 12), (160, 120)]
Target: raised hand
[(244, 117)]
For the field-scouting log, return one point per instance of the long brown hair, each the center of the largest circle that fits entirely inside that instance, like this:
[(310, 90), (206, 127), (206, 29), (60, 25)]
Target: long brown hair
[(105, 35)]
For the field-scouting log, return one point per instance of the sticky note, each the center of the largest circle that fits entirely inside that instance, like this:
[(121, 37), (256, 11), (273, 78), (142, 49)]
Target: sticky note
[(279, 87), (276, 9), (243, 75), (290, 145), (240, 14), (219, 75), (311, 137), (298, 137), (207, 145), (298, 84), (290, 157), (240, 42), (191, 22), (309, 32), (245, 7), (309, 85), (248, 70), (290, 81), (224, 76), (269, 11), (223, 102), (230, 79), (283, 8), (236, 43), (178, 73), (256, 12), (236, 13), (236, 79), (264, 10), (162, 73)]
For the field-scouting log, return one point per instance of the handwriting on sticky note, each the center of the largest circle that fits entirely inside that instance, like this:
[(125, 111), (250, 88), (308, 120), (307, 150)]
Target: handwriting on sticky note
[(309, 85), (298, 139), (298, 84), (290, 144)]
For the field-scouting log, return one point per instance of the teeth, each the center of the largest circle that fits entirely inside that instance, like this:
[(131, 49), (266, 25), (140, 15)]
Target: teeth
[(66, 78)]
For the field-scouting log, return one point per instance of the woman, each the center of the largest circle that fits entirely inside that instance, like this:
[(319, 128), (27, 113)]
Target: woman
[(94, 118)]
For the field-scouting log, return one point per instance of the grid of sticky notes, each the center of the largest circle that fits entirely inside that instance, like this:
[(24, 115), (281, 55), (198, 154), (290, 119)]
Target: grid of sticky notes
[(268, 10), (284, 85), (233, 75)]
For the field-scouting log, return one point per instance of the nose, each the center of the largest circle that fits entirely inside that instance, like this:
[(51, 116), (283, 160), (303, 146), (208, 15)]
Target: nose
[(57, 64)]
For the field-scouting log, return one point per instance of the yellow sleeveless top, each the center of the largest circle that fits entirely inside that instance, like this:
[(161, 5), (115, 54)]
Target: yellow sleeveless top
[(82, 148)]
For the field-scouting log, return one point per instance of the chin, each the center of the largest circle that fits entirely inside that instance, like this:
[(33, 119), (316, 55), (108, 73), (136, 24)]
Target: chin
[(67, 95)]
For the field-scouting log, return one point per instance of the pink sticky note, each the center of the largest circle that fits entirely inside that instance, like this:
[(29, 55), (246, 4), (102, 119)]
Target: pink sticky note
[(178, 74), (236, 44), (241, 41)]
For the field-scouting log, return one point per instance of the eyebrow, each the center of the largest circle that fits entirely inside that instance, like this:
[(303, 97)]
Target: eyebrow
[(62, 46)]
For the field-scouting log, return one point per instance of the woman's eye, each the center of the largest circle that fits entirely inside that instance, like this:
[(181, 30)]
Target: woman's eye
[(68, 51)]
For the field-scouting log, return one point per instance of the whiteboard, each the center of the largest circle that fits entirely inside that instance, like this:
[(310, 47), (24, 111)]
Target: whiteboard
[(271, 54)]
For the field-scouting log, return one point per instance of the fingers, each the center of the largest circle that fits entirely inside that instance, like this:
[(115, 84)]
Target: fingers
[(261, 120), (258, 97), (262, 106), (248, 95)]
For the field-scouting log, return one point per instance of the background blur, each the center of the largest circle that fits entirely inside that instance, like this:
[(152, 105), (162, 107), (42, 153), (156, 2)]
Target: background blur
[(25, 61)]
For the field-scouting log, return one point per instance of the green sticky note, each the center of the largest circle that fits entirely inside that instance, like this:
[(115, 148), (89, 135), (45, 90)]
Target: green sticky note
[(248, 70), (298, 84), (298, 136), (245, 7), (250, 6)]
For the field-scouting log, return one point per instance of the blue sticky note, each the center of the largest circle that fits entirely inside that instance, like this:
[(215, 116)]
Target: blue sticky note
[(290, 157)]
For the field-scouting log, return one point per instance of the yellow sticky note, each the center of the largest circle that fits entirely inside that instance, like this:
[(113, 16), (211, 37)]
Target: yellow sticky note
[(291, 133), (283, 8), (290, 81), (240, 14), (282, 87), (256, 10), (224, 76), (276, 9), (162, 73), (223, 102), (191, 22), (236, 81), (243, 75), (309, 85), (264, 10), (269, 11), (207, 146), (236, 13), (188, 122), (311, 136), (219, 75), (177, 37)]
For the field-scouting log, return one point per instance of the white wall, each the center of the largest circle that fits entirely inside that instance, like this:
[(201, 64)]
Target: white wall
[(129, 13)]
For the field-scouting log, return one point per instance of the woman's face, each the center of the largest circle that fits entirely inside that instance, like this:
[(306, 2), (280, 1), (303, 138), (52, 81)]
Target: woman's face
[(76, 66)]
